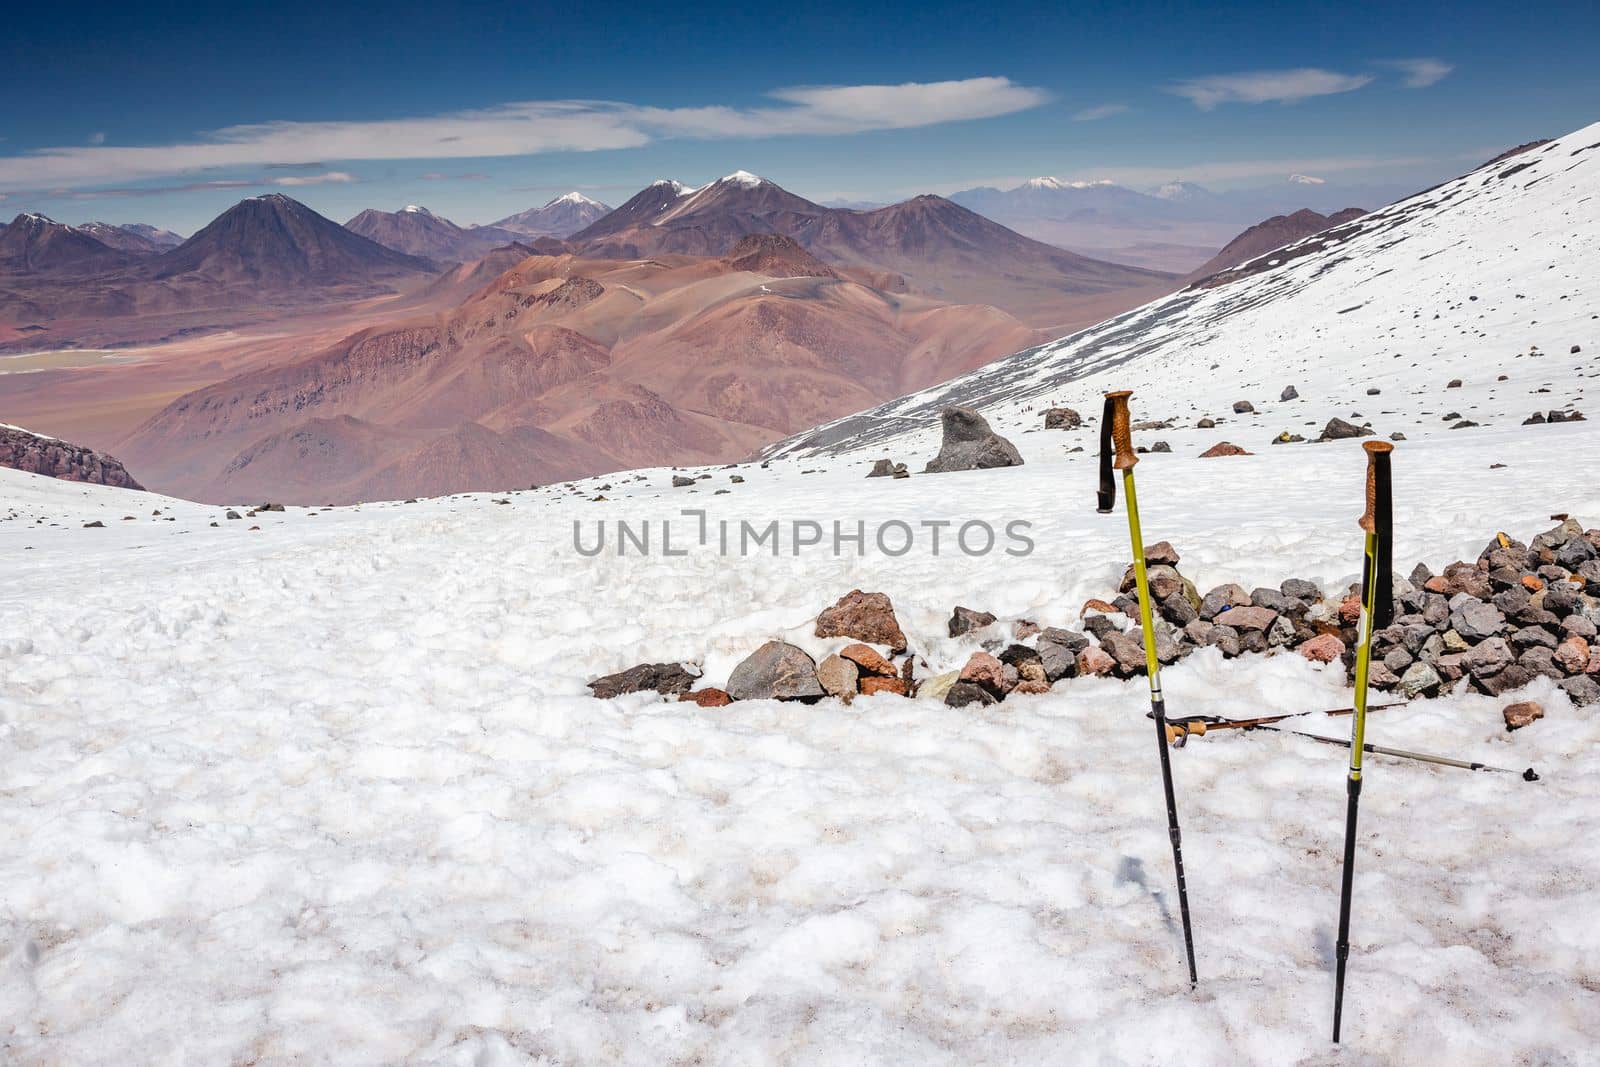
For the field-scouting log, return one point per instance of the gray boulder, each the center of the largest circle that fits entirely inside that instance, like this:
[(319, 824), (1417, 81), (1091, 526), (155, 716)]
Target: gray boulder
[(1476, 620), (775, 671), (665, 678), (969, 444)]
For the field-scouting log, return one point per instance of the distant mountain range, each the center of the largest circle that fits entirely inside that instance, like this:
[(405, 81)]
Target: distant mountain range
[(1272, 234), (1175, 227), (561, 217), (416, 231)]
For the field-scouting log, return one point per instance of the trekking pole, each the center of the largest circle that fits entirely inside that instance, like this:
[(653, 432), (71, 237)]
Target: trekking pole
[(1377, 608), (1122, 440), (1180, 730), (1528, 775)]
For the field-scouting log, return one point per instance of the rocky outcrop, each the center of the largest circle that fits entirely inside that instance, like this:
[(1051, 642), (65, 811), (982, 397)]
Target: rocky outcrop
[(969, 444), (24, 451)]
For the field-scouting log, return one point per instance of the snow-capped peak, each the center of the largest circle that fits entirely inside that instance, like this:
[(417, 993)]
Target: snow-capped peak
[(1306, 179), (35, 218), (1057, 184), (572, 198), (742, 178), (1180, 190), (677, 187), (417, 209)]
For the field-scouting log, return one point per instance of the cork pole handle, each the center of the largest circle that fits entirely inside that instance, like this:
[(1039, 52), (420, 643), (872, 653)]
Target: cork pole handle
[(1369, 520), (1121, 431)]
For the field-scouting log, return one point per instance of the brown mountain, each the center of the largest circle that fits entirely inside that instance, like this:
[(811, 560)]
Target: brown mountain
[(416, 231), (33, 244), (940, 248), (561, 217), (274, 242), (561, 366), (137, 238), (1274, 233), (37, 454)]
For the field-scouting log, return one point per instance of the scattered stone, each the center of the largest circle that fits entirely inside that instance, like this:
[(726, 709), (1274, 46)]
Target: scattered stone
[(95, 525), (232, 515), (1206, 424), (1127, 650), (1243, 407), (1028, 662), (962, 694), (937, 687), (1476, 620), (864, 616), (969, 444), (868, 660), (1455, 383), (1247, 617), (1572, 655), (1340, 430), (984, 670), (776, 671), (680, 482), (838, 677), (887, 468), (1582, 690), (873, 684), (1224, 448), (1523, 713), (1062, 419), (1300, 589), (664, 678), (1221, 599), (966, 620), (1289, 393), (710, 697)]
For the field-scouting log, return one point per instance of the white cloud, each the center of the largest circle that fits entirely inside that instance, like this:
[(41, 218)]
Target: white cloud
[(337, 176), (1306, 179), (97, 138), (528, 128), (1104, 111), (1420, 73), (1222, 172), (1266, 86)]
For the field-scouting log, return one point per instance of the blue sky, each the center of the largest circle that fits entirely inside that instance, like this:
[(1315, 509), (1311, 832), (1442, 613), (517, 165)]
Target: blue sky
[(168, 113)]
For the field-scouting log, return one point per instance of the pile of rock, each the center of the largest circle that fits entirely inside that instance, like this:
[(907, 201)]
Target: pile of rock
[(1518, 612)]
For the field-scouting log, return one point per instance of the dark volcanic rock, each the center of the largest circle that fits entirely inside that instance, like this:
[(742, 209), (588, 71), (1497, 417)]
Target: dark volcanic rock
[(1339, 430), (24, 451), (969, 444), (965, 620), (1062, 419), (665, 678)]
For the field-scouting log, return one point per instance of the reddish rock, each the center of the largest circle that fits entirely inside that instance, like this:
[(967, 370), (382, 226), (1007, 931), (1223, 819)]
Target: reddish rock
[(1161, 553), (1350, 607), (865, 617), (1224, 448), (1251, 618), (58, 459), (868, 659), (872, 683), (1025, 629), (1324, 648), (1532, 583), (1573, 655), (710, 697), (1032, 687), (1522, 714), (1097, 605), (1096, 661), (983, 669)]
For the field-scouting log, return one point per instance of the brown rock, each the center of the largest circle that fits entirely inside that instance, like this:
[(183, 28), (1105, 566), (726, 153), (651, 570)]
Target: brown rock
[(1573, 655), (1096, 661), (874, 684), (1031, 687), (1251, 618), (983, 669), (1224, 448), (1350, 608), (1097, 605), (867, 659), (1025, 628), (1522, 714), (865, 617), (1532, 583), (966, 620), (837, 676), (1160, 553), (664, 678), (710, 697), (1324, 648)]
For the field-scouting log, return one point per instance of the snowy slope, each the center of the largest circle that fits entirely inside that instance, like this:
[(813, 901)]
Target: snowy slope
[(1493, 273), (333, 790)]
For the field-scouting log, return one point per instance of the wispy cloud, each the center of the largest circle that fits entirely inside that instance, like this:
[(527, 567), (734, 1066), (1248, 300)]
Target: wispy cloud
[(1266, 86), (332, 176), (1104, 111), (1420, 73), (1306, 179), (439, 176), (1223, 172), (141, 190), (97, 138), (531, 127)]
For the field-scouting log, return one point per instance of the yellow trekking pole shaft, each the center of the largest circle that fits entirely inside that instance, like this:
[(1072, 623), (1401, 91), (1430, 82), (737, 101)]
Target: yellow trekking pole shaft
[(1126, 459), (1376, 608)]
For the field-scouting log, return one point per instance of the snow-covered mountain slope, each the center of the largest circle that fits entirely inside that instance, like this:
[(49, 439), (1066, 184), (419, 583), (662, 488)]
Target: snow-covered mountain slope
[(1487, 275), (334, 789)]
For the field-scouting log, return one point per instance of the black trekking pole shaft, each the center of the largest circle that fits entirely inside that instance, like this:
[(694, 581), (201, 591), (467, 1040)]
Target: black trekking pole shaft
[(1121, 439)]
